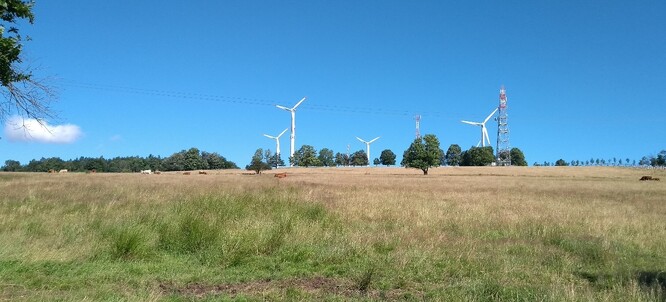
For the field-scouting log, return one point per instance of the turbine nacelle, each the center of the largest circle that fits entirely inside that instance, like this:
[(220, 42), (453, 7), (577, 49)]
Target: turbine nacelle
[(367, 146), (292, 108), (484, 131), (277, 140)]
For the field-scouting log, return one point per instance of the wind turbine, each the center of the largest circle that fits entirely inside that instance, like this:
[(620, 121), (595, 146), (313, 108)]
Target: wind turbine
[(277, 140), (484, 132), (293, 123), (367, 146)]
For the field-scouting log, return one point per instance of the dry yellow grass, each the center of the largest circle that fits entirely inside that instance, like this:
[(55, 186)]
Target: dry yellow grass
[(562, 230)]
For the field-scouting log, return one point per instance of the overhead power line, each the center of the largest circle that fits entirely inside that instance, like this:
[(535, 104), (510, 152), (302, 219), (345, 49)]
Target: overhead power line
[(249, 101)]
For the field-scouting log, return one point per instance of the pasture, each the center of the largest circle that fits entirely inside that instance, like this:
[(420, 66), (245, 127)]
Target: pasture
[(336, 234)]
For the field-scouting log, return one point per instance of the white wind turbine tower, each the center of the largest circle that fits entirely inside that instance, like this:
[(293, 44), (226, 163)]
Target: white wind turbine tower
[(484, 132), (293, 123), (277, 140), (367, 146)]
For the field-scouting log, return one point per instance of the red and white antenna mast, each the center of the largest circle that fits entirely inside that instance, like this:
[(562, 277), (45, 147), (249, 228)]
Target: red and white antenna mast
[(503, 146)]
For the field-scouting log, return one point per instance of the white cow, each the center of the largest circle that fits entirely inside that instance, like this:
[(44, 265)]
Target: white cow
[(146, 172), (63, 171)]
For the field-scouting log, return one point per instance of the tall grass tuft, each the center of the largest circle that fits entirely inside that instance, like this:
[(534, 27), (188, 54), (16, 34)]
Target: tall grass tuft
[(130, 243), (276, 236)]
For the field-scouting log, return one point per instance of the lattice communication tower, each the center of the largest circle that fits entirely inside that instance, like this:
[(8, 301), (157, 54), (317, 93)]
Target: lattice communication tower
[(418, 126), (503, 146)]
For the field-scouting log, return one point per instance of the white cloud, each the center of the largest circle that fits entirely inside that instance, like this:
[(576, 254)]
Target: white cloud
[(18, 129), (116, 138)]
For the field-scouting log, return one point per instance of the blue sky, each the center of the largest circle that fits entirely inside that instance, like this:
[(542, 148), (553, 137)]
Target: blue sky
[(584, 78)]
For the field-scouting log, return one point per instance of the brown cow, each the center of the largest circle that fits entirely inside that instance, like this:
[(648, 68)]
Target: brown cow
[(203, 172), (646, 178), (186, 173), (280, 175)]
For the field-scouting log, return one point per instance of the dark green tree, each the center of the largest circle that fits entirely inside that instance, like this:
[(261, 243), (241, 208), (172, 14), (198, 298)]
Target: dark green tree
[(659, 160), (306, 156), (376, 161), (194, 160), (561, 162), (11, 166), (326, 158), (517, 157), (213, 160), (276, 161), (341, 159), (23, 94), (90, 164), (453, 155), (257, 164), (387, 158), (359, 158), (478, 156), (423, 153)]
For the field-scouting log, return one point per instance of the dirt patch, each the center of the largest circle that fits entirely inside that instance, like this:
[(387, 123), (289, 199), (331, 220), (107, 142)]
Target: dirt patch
[(316, 286)]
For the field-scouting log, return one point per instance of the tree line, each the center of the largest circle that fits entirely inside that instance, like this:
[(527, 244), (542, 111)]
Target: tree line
[(423, 153), (185, 160), (649, 160)]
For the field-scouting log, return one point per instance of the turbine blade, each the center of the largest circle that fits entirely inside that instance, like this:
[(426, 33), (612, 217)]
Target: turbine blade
[(299, 102), (285, 130), (484, 121), (358, 138), (472, 123), (266, 135), (283, 107), (376, 138)]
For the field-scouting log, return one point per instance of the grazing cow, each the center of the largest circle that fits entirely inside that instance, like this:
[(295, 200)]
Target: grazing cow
[(158, 172), (655, 178), (186, 173), (51, 171), (280, 175), (203, 172), (646, 178), (63, 171), (146, 171)]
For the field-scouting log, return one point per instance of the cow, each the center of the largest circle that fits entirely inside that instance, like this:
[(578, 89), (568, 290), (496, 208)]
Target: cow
[(158, 172), (646, 178), (146, 171), (203, 172), (186, 173), (63, 171), (280, 175)]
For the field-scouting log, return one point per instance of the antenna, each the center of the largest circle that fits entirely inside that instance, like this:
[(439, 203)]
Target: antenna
[(503, 156), (418, 126)]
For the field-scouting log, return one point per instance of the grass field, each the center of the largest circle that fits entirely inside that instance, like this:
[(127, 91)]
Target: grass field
[(458, 234)]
